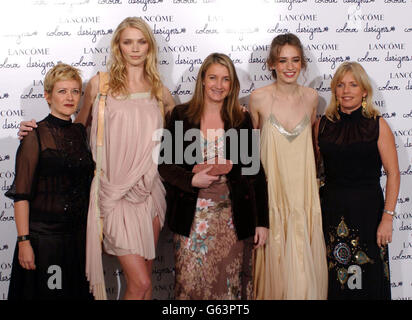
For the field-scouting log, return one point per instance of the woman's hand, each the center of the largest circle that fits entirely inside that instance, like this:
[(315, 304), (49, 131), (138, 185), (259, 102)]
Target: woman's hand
[(384, 233), (202, 179), (25, 127), (261, 234), (26, 255)]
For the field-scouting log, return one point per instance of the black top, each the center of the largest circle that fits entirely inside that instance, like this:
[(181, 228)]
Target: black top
[(349, 150), (54, 169)]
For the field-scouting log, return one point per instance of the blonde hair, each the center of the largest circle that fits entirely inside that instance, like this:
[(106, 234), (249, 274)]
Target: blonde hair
[(61, 72), (117, 66), (362, 79), (231, 111)]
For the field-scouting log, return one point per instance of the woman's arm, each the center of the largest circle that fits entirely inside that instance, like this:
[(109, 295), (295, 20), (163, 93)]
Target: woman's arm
[(174, 174), (259, 184), (21, 192), (168, 101), (389, 156), (315, 143), (90, 93), (314, 99), (262, 208), (254, 102), (21, 216)]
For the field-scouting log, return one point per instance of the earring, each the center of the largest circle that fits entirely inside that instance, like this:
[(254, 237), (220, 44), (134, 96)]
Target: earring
[(363, 104), (337, 105)]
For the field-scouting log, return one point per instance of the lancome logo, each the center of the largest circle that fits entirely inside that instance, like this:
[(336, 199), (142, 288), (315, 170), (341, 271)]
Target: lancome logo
[(400, 75), (29, 52), (95, 19), (366, 17), (387, 46), (178, 49), (96, 50), (322, 47), (158, 18), (298, 17), (250, 47)]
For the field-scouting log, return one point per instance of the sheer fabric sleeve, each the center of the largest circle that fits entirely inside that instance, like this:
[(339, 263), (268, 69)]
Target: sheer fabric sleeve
[(27, 156)]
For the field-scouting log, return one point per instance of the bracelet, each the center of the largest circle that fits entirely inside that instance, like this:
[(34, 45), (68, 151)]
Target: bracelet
[(23, 238), (391, 213)]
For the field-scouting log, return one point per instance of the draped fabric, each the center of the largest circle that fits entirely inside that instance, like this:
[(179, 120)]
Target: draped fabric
[(131, 194), (292, 265)]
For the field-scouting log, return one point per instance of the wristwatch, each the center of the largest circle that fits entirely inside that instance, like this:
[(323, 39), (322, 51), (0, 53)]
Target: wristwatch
[(23, 238)]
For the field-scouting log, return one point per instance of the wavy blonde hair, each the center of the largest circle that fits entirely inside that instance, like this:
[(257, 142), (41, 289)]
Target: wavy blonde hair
[(231, 111), (117, 66), (361, 77)]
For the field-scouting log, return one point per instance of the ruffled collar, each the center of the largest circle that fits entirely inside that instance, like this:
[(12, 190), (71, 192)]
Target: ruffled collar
[(354, 115), (57, 121)]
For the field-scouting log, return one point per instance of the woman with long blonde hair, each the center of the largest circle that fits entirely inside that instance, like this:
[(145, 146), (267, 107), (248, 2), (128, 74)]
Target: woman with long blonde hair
[(131, 195)]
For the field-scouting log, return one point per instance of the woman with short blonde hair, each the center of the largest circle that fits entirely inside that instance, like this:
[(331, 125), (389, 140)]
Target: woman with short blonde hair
[(54, 169)]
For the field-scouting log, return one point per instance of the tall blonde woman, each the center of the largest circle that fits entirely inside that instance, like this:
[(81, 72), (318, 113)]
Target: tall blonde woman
[(131, 196), (354, 143)]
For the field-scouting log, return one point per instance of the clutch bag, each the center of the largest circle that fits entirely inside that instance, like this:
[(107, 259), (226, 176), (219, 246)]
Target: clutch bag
[(219, 166)]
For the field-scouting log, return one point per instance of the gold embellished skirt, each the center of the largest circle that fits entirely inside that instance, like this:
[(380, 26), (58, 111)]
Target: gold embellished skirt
[(358, 268)]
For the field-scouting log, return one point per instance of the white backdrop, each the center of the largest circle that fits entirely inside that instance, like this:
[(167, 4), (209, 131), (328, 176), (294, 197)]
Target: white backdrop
[(36, 34)]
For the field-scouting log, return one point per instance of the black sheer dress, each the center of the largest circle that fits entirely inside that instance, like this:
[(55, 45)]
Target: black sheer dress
[(352, 206), (54, 168)]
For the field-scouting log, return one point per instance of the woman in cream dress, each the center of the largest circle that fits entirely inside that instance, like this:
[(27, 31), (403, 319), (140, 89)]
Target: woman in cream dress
[(292, 265)]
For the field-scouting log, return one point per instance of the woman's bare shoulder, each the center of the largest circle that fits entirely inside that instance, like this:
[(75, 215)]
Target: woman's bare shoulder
[(261, 95), (263, 91)]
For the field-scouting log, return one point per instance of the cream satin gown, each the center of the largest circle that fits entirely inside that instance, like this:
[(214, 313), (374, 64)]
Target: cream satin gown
[(292, 265)]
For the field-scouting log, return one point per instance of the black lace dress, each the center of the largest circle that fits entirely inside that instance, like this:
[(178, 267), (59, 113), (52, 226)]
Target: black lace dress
[(54, 168), (352, 205)]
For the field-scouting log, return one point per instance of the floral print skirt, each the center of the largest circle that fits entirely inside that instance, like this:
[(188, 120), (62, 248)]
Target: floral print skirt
[(212, 263)]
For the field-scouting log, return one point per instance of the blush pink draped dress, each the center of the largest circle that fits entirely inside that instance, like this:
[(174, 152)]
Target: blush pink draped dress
[(131, 193)]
